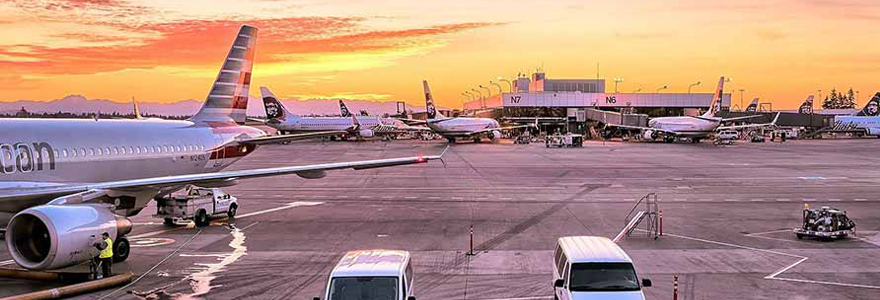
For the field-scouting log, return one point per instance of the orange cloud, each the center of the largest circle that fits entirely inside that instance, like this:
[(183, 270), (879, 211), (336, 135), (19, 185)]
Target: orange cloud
[(196, 43)]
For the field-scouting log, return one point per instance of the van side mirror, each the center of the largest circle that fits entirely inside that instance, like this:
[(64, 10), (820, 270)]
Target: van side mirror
[(559, 283), (646, 282), (411, 298)]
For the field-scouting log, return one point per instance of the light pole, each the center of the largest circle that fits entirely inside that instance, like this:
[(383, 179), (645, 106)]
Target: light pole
[(487, 91), (857, 96), (742, 93), (819, 92), (470, 97), (693, 85), (617, 80), (662, 88), (496, 85), (510, 84)]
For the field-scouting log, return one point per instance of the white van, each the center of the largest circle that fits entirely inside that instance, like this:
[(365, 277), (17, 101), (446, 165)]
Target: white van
[(371, 275), (593, 267)]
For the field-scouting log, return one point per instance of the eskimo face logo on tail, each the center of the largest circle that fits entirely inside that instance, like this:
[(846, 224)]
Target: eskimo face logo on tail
[(344, 109), (872, 109), (432, 112), (273, 108)]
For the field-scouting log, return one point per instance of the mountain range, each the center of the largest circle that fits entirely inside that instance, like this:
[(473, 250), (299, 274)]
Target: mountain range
[(80, 104)]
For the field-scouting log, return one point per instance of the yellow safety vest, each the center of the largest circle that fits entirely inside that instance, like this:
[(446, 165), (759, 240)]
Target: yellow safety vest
[(107, 252)]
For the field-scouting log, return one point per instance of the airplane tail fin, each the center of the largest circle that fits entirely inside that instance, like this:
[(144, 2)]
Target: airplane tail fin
[(872, 108), (429, 103), (753, 107), (807, 107), (275, 110), (228, 98), (715, 105), (136, 109), (344, 109)]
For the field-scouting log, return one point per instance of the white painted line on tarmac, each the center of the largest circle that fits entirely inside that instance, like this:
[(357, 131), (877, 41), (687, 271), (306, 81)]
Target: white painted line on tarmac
[(860, 199), (731, 200), (435, 197), (757, 200), (457, 198), (834, 200), (410, 197), (286, 206), (782, 200), (364, 197), (504, 198), (6, 262), (679, 199), (774, 275), (809, 199), (343, 197)]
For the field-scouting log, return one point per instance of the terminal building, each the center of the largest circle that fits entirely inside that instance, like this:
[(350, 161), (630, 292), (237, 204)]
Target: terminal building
[(571, 104)]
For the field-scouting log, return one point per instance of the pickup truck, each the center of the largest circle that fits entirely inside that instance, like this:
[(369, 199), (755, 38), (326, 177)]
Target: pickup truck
[(197, 204)]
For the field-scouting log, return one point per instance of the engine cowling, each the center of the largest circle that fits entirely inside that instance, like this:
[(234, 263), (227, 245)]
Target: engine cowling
[(366, 133), (874, 131), (495, 135), (50, 237), (650, 135)]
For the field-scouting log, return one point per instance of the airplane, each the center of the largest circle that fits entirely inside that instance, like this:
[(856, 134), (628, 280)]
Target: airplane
[(69, 180), (867, 119), (806, 108), (391, 124), (467, 128), (692, 127), (281, 119)]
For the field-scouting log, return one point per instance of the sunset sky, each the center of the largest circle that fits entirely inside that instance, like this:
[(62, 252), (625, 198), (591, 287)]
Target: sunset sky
[(163, 51)]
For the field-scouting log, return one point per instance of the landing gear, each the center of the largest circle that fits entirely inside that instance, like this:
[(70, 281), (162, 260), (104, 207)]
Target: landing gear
[(695, 140), (169, 222), (476, 140), (451, 140), (121, 249)]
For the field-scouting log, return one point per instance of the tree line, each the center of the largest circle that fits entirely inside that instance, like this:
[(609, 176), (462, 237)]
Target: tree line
[(840, 100)]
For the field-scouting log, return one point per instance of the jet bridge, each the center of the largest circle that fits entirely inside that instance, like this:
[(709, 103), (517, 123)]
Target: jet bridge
[(615, 118)]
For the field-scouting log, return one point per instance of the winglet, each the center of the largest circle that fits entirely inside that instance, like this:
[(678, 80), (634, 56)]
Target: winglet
[(137, 111), (775, 119), (441, 156)]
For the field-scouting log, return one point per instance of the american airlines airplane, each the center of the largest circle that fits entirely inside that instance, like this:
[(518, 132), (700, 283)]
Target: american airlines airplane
[(284, 121), (461, 128), (868, 118), (692, 127), (69, 180)]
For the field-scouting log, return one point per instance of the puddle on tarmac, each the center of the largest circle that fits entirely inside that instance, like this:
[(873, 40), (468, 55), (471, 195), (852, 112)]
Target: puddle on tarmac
[(200, 282)]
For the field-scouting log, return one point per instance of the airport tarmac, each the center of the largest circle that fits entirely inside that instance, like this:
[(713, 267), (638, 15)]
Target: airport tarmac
[(727, 218)]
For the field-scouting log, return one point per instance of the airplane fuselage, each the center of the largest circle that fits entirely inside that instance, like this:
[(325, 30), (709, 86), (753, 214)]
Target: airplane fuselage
[(869, 124), (461, 126), (48, 152), (685, 126), (315, 124)]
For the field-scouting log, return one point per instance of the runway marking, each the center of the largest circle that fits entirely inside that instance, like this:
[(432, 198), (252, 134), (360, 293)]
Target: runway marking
[(530, 198), (457, 198), (781, 200), (834, 200), (286, 206), (410, 197), (774, 275), (757, 200), (629, 199), (435, 197), (860, 199), (505, 198), (343, 197), (6, 262), (809, 199), (364, 197), (731, 200)]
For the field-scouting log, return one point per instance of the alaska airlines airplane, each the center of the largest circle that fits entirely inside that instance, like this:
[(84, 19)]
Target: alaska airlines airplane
[(69, 180), (867, 119), (464, 128), (753, 107), (284, 121), (692, 127)]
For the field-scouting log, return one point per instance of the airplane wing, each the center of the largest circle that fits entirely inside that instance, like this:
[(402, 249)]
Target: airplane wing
[(307, 171), (413, 121), (258, 120), (274, 139), (749, 125), (740, 118)]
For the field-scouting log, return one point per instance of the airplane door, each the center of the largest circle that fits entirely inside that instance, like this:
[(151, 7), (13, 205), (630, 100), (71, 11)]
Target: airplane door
[(219, 153)]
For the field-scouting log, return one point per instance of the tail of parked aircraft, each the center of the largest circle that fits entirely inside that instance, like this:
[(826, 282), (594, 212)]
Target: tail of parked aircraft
[(274, 109), (753, 107), (228, 98), (872, 108), (344, 109), (807, 107), (429, 103), (715, 106)]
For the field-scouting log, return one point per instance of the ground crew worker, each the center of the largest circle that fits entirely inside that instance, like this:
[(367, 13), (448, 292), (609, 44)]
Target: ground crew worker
[(106, 255)]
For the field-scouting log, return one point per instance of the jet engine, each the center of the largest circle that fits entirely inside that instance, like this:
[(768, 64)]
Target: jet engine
[(366, 133), (495, 135), (650, 135), (874, 131), (50, 237)]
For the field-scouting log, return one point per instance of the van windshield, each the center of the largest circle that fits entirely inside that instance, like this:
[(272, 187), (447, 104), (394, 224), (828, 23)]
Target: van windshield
[(603, 277), (363, 288)]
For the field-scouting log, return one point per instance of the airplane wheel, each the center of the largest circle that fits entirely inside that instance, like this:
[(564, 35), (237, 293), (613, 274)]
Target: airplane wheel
[(201, 218), (476, 141), (232, 210), (121, 249), (451, 140)]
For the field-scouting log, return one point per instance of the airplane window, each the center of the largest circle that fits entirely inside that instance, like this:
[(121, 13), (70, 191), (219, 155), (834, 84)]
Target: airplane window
[(91, 151), (73, 152), (115, 150), (164, 148), (107, 150), (82, 151), (65, 152), (130, 150), (56, 153), (137, 150), (178, 148), (99, 151)]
